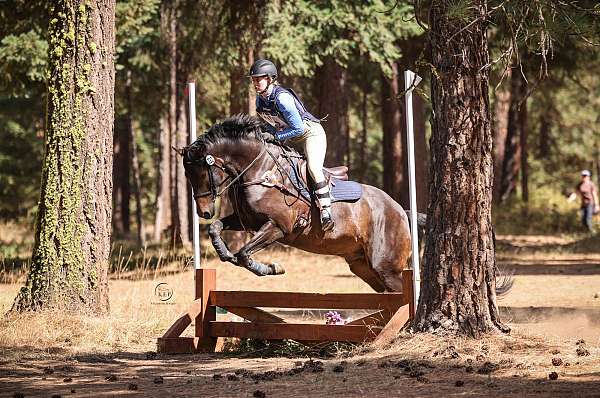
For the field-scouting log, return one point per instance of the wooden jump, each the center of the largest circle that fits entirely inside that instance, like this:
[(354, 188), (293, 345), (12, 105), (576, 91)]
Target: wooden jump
[(391, 311)]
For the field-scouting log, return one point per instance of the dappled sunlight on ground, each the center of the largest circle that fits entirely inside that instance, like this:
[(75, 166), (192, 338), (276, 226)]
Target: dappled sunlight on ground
[(553, 305)]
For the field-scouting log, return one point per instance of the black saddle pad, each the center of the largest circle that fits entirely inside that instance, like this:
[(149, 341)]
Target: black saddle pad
[(340, 190)]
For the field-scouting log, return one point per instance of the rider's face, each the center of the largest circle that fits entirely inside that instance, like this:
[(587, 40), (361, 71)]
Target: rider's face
[(260, 83)]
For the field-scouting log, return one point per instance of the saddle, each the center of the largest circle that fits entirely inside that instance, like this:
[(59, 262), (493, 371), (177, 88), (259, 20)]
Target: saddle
[(341, 190)]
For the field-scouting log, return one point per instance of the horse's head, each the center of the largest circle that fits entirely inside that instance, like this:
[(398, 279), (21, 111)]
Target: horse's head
[(206, 175), (217, 155)]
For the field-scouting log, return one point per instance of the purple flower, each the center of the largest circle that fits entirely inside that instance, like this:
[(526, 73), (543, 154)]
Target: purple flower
[(333, 318)]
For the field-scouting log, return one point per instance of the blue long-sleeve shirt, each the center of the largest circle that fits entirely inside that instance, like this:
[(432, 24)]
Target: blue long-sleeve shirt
[(287, 107)]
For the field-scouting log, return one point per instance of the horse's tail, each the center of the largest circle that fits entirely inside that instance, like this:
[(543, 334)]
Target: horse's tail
[(421, 222), (504, 279)]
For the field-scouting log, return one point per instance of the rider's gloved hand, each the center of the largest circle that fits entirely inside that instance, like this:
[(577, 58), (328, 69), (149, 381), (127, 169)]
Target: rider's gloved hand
[(268, 136)]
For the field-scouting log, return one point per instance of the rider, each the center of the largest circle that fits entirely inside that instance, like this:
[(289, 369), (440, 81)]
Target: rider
[(283, 110)]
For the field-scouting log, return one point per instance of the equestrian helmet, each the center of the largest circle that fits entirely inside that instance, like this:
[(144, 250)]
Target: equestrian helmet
[(263, 67)]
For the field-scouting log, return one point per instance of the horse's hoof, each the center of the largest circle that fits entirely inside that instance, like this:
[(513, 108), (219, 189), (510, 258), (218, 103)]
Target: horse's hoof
[(276, 269)]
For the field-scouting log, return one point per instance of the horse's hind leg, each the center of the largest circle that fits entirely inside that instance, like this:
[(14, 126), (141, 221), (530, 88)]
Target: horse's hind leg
[(266, 235), (389, 263), (361, 268)]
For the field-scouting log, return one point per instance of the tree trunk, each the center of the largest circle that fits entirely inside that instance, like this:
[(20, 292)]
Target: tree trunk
[(175, 236), (392, 135), (162, 218), (333, 104), (181, 190), (545, 138), (70, 260), (524, 150), (244, 28), (364, 115), (242, 98), (597, 163), (458, 289), (134, 165), (512, 148), (121, 186), (421, 154), (500, 128)]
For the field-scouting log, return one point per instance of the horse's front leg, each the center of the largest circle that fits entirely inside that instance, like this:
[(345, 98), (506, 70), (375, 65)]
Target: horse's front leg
[(232, 223), (266, 235)]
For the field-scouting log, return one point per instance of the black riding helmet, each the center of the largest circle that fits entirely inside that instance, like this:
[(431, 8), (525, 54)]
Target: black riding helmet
[(263, 67)]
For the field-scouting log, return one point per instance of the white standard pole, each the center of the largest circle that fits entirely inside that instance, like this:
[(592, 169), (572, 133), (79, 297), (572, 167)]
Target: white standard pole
[(195, 220), (410, 82)]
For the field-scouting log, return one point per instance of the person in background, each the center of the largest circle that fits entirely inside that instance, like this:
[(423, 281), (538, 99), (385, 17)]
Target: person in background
[(589, 199)]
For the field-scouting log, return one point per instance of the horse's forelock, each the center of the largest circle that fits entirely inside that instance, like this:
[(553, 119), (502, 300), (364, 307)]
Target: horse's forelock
[(194, 152)]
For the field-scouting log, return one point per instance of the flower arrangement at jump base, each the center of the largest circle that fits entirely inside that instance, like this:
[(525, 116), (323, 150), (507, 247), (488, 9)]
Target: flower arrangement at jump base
[(334, 318)]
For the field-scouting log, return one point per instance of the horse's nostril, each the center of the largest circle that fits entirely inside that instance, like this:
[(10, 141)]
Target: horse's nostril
[(206, 215)]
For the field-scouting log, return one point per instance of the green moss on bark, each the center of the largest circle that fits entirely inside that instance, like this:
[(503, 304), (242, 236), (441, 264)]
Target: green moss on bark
[(58, 276)]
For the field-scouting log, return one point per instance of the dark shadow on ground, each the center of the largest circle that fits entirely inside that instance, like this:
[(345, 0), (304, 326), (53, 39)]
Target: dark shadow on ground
[(515, 266), (540, 314), (444, 374), (585, 244)]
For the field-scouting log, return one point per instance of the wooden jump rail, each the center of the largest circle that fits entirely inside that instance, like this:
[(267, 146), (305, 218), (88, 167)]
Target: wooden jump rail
[(392, 311)]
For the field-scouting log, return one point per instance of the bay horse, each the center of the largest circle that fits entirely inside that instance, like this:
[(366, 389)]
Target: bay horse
[(372, 233)]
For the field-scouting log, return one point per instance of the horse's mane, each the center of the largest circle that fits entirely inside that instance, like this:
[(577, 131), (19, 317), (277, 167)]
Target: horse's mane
[(234, 128)]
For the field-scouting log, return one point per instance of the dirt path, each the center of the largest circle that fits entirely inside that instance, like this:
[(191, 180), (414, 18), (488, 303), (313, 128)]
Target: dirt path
[(415, 366), (554, 304)]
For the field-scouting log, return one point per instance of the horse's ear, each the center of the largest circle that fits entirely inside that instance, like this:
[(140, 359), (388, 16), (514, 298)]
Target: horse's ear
[(180, 151)]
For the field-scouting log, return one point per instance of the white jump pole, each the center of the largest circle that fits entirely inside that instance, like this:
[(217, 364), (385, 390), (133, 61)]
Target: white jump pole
[(191, 86), (411, 80)]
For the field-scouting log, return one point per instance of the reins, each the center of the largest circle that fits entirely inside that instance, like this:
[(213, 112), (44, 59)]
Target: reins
[(214, 190)]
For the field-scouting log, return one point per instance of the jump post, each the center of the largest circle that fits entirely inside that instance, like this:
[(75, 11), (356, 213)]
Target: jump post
[(391, 311)]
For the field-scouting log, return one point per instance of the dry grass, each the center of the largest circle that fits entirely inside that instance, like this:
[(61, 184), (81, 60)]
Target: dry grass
[(137, 316), (93, 348)]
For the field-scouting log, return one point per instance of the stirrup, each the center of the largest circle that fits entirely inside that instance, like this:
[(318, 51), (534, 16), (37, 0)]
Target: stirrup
[(327, 222)]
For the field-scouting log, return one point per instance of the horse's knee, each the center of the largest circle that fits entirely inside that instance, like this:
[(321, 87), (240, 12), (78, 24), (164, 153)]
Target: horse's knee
[(215, 229)]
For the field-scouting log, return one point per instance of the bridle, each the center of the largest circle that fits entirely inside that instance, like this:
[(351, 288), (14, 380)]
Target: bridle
[(211, 163)]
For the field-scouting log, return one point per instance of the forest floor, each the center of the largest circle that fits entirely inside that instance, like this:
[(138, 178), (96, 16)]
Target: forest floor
[(553, 349)]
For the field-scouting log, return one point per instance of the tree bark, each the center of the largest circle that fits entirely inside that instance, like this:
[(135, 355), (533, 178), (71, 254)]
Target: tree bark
[(70, 260), (392, 134), (163, 181), (134, 165), (597, 163), (163, 218), (332, 94), (501, 107), (545, 136), (175, 236), (512, 148), (181, 190), (458, 289), (524, 151), (421, 153), (122, 188), (364, 116)]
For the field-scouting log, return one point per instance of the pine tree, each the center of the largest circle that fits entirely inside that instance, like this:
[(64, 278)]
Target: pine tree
[(71, 253)]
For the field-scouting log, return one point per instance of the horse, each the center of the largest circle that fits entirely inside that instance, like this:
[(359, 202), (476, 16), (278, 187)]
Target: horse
[(371, 233)]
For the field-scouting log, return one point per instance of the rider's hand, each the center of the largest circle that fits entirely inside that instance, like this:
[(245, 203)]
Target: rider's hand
[(596, 209), (268, 137)]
